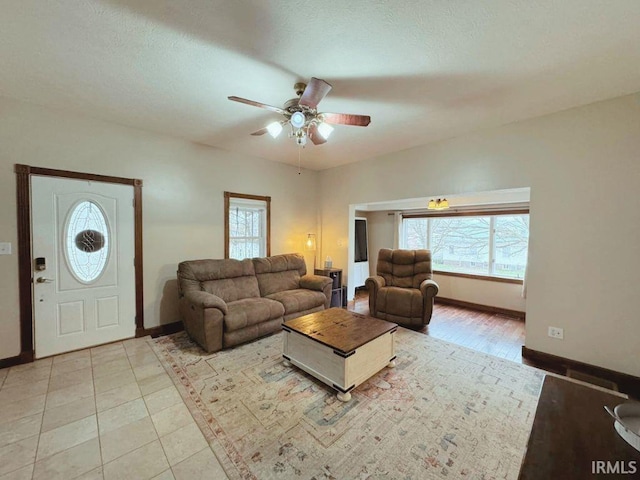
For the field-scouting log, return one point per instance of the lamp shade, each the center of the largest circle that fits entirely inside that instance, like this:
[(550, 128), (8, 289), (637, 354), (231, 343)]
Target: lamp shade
[(274, 129), (439, 204), (310, 244), (324, 129)]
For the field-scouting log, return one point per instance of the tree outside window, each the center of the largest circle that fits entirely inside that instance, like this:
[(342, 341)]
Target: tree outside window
[(484, 244), (247, 225)]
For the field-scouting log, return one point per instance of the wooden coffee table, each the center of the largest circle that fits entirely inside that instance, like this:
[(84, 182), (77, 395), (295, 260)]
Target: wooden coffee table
[(339, 348)]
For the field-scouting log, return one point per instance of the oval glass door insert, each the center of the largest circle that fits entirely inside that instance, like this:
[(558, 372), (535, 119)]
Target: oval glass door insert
[(87, 241)]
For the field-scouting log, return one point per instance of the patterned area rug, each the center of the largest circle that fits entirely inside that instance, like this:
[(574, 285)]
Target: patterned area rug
[(444, 412)]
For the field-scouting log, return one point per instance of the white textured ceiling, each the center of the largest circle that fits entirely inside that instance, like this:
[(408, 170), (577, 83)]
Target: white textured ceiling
[(424, 70)]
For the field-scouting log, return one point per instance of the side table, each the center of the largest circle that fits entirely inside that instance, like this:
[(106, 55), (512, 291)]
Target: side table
[(336, 289)]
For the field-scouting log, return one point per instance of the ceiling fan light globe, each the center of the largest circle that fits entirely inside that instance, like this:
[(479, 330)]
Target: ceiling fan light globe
[(274, 129), (324, 129), (297, 119)]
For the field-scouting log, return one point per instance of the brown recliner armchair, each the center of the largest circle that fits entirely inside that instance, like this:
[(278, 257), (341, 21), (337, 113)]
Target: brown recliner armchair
[(403, 291)]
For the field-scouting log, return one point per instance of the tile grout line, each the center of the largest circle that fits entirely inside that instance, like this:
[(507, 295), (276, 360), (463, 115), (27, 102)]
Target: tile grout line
[(44, 409), (152, 422), (95, 403), (95, 414), (209, 447)]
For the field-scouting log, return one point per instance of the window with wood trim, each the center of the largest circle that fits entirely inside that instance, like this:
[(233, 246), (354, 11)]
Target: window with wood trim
[(247, 226), (493, 244)]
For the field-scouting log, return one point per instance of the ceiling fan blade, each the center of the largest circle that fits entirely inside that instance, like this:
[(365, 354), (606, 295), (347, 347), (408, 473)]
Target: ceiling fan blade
[(316, 138), (346, 119), (315, 91), (256, 104), (262, 131)]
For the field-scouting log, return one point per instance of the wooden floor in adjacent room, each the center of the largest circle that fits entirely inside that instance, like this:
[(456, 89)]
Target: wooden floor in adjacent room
[(495, 334)]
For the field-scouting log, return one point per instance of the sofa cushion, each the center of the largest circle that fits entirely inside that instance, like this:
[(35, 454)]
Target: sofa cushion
[(251, 311), (229, 279), (233, 289), (279, 272), (299, 300), (405, 302)]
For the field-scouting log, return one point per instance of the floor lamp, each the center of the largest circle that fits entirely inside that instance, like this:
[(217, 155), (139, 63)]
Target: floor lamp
[(310, 245)]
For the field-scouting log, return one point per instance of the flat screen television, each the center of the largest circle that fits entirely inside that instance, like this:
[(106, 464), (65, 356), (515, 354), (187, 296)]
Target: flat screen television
[(361, 254)]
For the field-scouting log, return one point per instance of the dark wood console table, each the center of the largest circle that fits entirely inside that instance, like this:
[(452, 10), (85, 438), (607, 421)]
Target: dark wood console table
[(570, 431), (336, 289)]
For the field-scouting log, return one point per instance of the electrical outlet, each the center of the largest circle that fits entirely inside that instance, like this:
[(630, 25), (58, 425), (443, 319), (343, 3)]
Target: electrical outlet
[(555, 332)]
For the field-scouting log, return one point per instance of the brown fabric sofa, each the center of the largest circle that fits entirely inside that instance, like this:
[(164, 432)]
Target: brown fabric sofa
[(402, 291), (227, 302)]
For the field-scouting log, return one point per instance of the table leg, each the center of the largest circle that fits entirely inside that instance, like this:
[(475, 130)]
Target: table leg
[(344, 397)]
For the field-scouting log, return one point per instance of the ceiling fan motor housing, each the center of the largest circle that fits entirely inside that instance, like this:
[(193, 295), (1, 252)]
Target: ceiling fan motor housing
[(291, 105), (299, 88)]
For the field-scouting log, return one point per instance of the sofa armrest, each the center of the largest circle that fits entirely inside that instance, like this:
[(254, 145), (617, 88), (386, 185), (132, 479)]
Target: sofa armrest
[(206, 300), (429, 288), (315, 282), (203, 318), (319, 283)]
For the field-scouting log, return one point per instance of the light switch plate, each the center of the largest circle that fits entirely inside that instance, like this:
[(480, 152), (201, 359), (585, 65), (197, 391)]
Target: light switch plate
[(5, 248)]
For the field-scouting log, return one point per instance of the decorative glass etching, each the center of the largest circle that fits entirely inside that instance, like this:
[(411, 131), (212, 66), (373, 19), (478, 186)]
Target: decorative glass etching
[(87, 241)]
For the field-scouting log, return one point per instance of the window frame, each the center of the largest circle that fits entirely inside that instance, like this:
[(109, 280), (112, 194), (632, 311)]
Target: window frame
[(475, 213), (228, 196)]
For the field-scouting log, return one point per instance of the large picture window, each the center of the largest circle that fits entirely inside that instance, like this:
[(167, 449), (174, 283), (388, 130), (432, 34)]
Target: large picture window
[(488, 244), (247, 226)]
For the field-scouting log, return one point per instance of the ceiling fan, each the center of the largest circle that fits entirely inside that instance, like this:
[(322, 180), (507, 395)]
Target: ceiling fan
[(302, 115)]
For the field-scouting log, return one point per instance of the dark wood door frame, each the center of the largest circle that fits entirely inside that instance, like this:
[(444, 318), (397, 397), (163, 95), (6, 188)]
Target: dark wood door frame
[(25, 261)]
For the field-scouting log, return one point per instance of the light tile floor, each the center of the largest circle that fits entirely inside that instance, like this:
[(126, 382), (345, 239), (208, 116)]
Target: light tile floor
[(109, 412)]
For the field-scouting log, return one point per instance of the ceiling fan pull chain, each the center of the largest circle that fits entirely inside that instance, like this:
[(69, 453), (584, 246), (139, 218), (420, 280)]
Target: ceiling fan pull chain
[(299, 153)]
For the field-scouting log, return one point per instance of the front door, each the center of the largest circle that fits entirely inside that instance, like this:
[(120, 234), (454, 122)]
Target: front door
[(83, 252)]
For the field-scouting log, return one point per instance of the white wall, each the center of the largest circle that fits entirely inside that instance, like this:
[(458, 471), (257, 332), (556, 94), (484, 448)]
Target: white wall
[(481, 292), (380, 236), (583, 169), (182, 197)]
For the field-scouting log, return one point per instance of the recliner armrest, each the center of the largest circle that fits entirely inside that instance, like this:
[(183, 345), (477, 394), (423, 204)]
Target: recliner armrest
[(206, 300), (429, 288), (376, 282), (315, 282)]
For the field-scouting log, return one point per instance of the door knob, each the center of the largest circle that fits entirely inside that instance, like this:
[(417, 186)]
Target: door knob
[(44, 280)]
